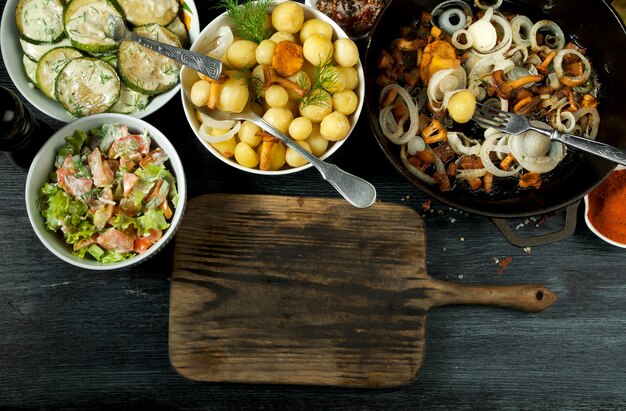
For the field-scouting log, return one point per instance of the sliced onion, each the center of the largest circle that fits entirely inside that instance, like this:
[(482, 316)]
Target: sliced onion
[(422, 176), (397, 136), (205, 134), (494, 6), (592, 130), (463, 145), (507, 37), (511, 54), (565, 120), (470, 173), (416, 144), (550, 26), (485, 155), (391, 128), (517, 24), (546, 163), (223, 39), (484, 33), (446, 18), (558, 68), (444, 81), (453, 4), (536, 164), (468, 39), (553, 81), (218, 124)]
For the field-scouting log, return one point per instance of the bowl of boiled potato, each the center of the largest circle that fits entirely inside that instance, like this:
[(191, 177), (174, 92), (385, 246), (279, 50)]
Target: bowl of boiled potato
[(298, 70)]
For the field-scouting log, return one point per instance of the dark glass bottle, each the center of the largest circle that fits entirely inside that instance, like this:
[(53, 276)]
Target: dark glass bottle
[(21, 135)]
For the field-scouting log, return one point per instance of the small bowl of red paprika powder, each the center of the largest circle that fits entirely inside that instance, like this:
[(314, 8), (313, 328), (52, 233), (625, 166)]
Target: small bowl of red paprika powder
[(605, 208)]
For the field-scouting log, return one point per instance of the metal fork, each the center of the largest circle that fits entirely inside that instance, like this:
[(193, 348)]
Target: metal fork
[(486, 116), (117, 30)]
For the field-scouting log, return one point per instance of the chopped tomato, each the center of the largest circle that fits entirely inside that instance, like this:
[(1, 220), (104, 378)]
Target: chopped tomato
[(141, 244)]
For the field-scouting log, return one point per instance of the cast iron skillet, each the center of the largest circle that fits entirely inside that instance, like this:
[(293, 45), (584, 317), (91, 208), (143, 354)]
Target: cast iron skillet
[(596, 26)]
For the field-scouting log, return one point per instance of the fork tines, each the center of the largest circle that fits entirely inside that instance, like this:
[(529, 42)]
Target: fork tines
[(487, 116)]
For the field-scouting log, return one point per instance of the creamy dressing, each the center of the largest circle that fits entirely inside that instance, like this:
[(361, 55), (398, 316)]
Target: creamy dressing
[(42, 20), (141, 12), (149, 69), (35, 51), (88, 86), (30, 67), (87, 23), (130, 101), (49, 67)]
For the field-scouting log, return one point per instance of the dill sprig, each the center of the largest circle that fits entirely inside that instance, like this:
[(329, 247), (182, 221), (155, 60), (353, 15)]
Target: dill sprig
[(323, 85), (253, 82), (249, 18)]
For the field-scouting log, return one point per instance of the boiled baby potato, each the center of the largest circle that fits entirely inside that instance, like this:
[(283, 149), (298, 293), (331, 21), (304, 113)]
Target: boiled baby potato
[(288, 17)]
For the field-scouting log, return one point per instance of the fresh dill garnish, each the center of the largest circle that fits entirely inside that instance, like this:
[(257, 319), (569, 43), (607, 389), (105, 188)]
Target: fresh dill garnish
[(250, 18), (323, 85), (253, 82)]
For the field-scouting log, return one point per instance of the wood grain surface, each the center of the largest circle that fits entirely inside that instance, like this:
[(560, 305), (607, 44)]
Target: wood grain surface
[(75, 339), (295, 290)]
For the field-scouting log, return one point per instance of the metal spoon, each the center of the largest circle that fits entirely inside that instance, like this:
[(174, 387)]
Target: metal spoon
[(357, 191), (212, 67)]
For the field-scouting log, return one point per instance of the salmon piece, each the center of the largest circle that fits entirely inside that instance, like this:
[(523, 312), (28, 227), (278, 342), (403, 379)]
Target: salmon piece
[(116, 241), (129, 181), (72, 185), (100, 170), (156, 157)]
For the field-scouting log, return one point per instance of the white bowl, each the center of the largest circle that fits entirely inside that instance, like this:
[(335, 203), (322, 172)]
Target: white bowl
[(12, 55), (592, 228), (43, 165), (188, 77)]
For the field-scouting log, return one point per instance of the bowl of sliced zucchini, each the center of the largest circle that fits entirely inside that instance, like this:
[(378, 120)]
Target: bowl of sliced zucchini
[(57, 55)]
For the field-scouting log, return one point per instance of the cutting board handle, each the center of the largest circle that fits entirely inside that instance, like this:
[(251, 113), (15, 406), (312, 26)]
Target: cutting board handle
[(524, 297)]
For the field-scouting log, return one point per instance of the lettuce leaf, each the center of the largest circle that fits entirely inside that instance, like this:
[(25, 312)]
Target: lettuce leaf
[(152, 219)]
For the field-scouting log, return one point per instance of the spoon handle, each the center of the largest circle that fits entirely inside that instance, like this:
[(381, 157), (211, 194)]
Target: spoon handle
[(210, 66), (355, 190)]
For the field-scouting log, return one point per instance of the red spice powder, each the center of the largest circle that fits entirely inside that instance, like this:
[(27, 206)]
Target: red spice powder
[(607, 207)]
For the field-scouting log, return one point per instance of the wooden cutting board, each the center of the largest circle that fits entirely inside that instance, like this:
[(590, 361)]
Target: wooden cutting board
[(272, 289)]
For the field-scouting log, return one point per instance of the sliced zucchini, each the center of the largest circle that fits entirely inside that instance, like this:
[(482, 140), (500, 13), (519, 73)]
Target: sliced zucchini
[(40, 21), (30, 68), (144, 70), (140, 12), (130, 101), (87, 86), (85, 23), (49, 66), (35, 51), (178, 27)]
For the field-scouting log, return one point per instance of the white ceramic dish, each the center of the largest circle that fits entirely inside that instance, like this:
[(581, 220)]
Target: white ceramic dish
[(12, 55), (188, 77), (592, 228), (42, 166)]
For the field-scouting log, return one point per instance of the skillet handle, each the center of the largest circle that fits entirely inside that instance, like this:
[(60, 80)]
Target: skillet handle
[(512, 237)]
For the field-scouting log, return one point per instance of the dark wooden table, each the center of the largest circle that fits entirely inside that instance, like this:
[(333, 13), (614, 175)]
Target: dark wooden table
[(76, 338)]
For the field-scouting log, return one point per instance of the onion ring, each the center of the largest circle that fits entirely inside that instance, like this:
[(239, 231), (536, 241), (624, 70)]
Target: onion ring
[(569, 80), (552, 27), (206, 135), (398, 136), (517, 24)]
